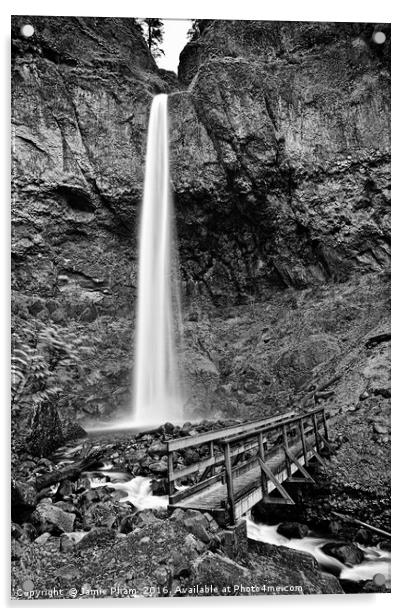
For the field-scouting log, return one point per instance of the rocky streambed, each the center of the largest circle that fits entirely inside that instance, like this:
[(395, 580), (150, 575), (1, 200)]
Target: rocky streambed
[(105, 531)]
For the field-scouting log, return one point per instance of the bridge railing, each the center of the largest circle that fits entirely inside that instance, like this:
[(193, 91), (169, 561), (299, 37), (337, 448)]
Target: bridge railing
[(221, 451), (308, 431)]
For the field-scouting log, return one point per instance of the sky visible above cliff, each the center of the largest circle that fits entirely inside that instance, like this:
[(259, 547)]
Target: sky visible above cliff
[(174, 39)]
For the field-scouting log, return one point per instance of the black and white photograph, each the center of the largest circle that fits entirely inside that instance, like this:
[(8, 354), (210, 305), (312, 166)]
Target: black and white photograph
[(200, 308)]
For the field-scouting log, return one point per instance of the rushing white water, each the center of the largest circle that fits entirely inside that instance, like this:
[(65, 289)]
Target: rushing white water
[(375, 560), (157, 382), (138, 490)]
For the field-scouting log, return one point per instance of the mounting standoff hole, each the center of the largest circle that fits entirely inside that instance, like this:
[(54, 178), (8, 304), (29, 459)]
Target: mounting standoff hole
[(379, 579), (379, 37), (27, 30)]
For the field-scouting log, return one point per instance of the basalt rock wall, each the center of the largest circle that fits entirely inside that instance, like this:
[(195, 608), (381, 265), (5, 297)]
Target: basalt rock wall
[(280, 150)]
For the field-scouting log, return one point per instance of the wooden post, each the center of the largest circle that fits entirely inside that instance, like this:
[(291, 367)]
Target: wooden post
[(212, 468), (170, 470), (326, 427), (285, 445), (264, 480), (302, 436), (316, 433), (230, 487)]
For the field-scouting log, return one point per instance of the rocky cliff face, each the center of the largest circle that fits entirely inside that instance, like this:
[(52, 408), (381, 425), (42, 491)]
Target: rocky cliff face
[(81, 92), (280, 169), (281, 156)]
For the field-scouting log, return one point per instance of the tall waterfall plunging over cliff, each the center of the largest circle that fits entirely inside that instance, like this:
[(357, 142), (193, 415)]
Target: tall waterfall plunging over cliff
[(157, 383)]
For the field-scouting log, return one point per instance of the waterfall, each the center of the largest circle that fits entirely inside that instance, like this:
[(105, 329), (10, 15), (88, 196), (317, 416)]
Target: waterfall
[(157, 382)]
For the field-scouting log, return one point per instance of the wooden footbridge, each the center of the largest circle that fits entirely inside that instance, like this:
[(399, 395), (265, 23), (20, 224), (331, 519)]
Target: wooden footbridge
[(243, 464)]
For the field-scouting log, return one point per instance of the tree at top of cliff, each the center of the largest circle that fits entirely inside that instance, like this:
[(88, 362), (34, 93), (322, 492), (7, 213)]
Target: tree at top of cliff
[(153, 29), (197, 28)]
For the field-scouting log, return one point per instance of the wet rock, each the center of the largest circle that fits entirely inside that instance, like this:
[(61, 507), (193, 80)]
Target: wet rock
[(67, 506), (291, 567), (177, 515), (210, 568), (191, 456), (157, 449), (197, 524), (97, 537), (212, 524), (293, 530), (65, 488), (158, 467), (362, 536), (143, 518), (168, 428), (347, 553), (194, 545), (186, 429), (42, 539), (48, 516), (385, 545), (159, 486)]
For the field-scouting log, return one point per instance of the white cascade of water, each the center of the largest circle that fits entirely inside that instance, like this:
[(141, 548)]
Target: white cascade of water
[(376, 560), (157, 383)]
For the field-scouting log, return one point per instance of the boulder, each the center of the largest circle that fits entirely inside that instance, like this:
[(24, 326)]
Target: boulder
[(65, 488), (97, 537), (158, 467), (53, 519), (347, 553), (218, 570), (67, 506), (191, 456), (197, 524), (42, 539), (293, 530), (158, 448), (168, 428)]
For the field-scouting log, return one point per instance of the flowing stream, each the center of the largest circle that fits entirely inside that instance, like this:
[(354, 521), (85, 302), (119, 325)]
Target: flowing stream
[(376, 560), (157, 382)]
